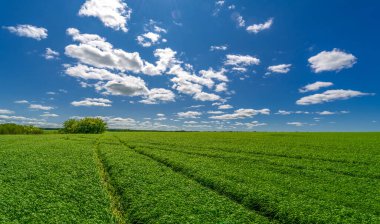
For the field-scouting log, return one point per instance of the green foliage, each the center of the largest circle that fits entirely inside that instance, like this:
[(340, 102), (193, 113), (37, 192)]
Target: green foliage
[(14, 129), (153, 177), (86, 125), (48, 179)]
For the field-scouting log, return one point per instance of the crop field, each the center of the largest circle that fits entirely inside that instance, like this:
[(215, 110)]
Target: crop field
[(190, 177)]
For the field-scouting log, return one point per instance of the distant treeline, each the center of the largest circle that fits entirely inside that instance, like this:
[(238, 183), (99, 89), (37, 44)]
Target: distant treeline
[(14, 129)]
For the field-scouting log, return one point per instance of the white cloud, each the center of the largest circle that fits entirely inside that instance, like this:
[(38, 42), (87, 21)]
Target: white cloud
[(158, 95), (196, 106), (47, 114), (90, 102), (5, 111), (241, 114), (113, 13), (160, 115), (255, 28), (220, 2), (51, 54), (219, 48), (17, 118), (239, 69), (94, 50), (240, 22), (225, 107), (40, 107), (202, 96), (212, 74), (250, 125), (127, 86), (116, 84), (296, 123), (334, 60), (21, 101), (30, 31), (326, 112), (282, 68), (329, 96), (189, 114), (215, 112), (188, 83), (284, 112), (148, 39), (221, 87), (241, 60), (315, 86)]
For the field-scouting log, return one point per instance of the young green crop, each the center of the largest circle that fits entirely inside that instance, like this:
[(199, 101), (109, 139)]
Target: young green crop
[(153, 193), (50, 179), (152, 177)]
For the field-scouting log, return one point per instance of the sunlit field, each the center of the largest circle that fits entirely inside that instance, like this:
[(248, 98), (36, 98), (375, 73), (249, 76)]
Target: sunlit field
[(199, 177)]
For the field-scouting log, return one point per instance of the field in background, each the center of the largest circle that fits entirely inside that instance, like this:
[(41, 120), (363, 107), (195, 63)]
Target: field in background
[(163, 177)]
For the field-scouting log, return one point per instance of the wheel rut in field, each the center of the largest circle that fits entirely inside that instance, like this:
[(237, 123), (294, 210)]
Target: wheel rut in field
[(253, 207), (116, 204)]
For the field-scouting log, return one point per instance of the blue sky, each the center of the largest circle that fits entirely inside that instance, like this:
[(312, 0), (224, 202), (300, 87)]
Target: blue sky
[(192, 65)]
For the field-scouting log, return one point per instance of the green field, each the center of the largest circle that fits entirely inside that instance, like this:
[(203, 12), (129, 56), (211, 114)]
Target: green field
[(167, 177)]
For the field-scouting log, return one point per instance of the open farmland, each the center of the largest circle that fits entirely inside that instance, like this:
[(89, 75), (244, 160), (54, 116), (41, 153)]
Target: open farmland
[(162, 177)]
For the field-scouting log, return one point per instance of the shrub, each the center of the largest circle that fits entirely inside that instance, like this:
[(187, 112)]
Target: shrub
[(14, 129), (86, 125)]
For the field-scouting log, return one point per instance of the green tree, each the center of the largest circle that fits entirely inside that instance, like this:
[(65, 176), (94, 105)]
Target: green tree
[(86, 125)]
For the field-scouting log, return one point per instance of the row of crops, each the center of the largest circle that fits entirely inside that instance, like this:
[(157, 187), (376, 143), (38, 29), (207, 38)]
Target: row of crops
[(142, 177)]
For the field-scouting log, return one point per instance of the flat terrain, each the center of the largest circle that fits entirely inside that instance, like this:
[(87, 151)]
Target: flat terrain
[(159, 177)]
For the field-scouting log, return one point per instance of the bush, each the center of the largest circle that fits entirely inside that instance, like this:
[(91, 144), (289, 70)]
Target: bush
[(86, 125), (14, 129)]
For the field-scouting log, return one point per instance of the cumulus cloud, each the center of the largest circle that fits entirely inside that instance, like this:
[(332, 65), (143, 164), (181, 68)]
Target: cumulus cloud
[(334, 60), (40, 107), (256, 28), (21, 102), (239, 20), (5, 111), (189, 83), (91, 102), (148, 39), (239, 69), (157, 95), (189, 114), (113, 84), (113, 13), (251, 124), (221, 87), (282, 68), (212, 74), (315, 86), (219, 48), (51, 54), (296, 123), (241, 114), (152, 36), (203, 96), (215, 112), (225, 107), (284, 112), (329, 96), (47, 114), (30, 31), (241, 60), (18, 118), (94, 50)]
